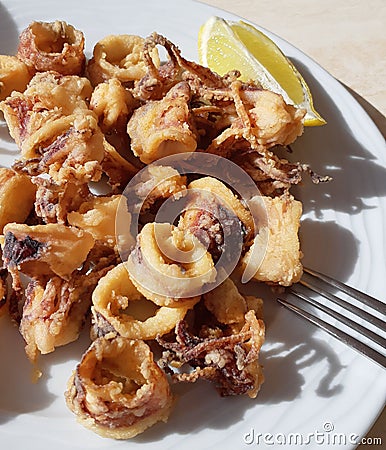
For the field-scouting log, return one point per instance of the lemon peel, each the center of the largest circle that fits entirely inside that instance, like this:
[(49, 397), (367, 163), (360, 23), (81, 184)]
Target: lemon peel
[(226, 45)]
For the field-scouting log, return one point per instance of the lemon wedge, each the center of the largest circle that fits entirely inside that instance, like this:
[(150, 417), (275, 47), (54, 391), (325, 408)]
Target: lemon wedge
[(226, 45)]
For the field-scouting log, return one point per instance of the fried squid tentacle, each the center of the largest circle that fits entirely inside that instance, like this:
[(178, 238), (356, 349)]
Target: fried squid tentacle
[(117, 390), (230, 361), (218, 218)]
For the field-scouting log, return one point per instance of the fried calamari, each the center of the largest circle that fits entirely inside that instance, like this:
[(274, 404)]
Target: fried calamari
[(118, 390), (57, 46)]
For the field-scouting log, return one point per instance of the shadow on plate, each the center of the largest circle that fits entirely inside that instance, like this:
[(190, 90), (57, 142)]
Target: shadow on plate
[(18, 393), (287, 352), (9, 35), (333, 149)]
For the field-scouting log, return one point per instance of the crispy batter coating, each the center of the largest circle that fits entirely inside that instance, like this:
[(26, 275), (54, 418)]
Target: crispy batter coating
[(14, 75), (54, 201), (113, 104), (228, 360), (118, 169), (117, 390), (54, 129), (274, 256), (118, 307), (226, 303), (58, 46), (55, 311), (156, 183), (45, 249), (170, 266), (120, 57), (15, 189), (97, 217), (163, 127), (215, 215)]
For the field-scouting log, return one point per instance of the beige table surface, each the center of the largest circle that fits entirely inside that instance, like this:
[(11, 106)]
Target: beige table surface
[(348, 39)]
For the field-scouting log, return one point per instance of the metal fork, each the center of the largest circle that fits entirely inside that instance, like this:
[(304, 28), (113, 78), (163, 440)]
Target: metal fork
[(363, 316)]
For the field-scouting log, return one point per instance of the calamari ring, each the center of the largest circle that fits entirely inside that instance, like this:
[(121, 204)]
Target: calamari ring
[(117, 390), (111, 299), (119, 56), (163, 279), (55, 46)]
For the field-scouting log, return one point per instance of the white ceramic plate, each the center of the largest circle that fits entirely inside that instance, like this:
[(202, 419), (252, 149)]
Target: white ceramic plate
[(317, 390)]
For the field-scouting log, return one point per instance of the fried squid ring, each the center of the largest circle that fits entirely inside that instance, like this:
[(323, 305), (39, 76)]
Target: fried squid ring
[(174, 274), (117, 390), (115, 301), (163, 127), (121, 57), (55, 46)]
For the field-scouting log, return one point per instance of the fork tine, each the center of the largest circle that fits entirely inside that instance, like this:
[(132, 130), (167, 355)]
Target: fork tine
[(343, 319), (339, 334), (361, 296)]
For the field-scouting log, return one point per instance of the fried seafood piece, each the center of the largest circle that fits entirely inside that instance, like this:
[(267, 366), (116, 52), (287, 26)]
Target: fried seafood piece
[(170, 266), (55, 310), (74, 156), (97, 217), (54, 201), (45, 249), (228, 360), (118, 169), (217, 217), (163, 127), (54, 129), (262, 121), (14, 75), (260, 116), (121, 57), (226, 303), (119, 308), (156, 183), (57, 46), (113, 104), (4, 300), (117, 390), (15, 189), (275, 255), (159, 79)]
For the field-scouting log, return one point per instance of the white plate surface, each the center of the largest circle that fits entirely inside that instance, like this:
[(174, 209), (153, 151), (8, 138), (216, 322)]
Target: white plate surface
[(317, 390)]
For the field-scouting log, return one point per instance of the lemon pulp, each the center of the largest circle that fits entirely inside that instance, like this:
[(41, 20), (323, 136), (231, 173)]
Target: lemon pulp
[(226, 45)]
